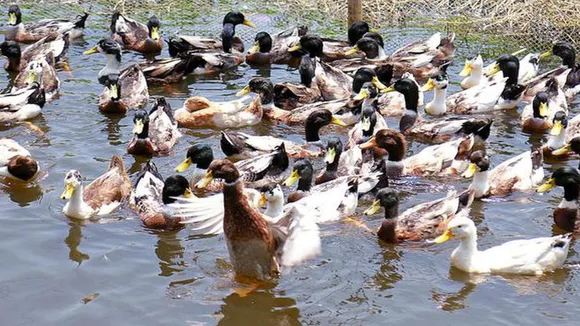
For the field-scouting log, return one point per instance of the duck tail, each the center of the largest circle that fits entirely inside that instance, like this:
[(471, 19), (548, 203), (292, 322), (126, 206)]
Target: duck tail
[(280, 160), (80, 23), (162, 104), (177, 46), (117, 162), (537, 158), (466, 199), (231, 143), (116, 15), (151, 168), (563, 241), (37, 97)]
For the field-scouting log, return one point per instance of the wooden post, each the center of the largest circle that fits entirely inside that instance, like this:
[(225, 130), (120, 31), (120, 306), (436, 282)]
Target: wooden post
[(354, 11)]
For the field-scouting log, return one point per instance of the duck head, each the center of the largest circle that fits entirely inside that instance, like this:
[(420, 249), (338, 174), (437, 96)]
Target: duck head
[(459, 227), (73, 180), (219, 169), (356, 31), (199, 154), (261, 86), (565, 51), (472, 63), (439, 80), (333, 152), (309, 44), (302, 172), (153, 26), (478, 162), (176, 186), (14, 15), (391, 141), (318, 119), (262, 43), (365, 75), (141, 124), (389, 200)]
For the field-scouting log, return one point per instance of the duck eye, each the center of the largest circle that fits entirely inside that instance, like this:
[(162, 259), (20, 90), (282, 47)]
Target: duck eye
[(459, 226)]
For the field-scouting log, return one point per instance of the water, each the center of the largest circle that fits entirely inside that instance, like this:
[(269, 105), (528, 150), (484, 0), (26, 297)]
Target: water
[(143, 277)]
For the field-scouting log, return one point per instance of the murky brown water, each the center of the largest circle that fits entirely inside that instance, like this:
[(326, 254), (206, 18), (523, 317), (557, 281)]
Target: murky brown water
[(143, 277)]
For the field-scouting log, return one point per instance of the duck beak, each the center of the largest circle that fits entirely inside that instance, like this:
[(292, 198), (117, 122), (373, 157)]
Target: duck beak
[(352, 51), (466, 69), (254, 48), (471, 169), (330, 155), (138, 128), (547, 186), (387, 90), (429, 86), (336, 120), (155, 33), (248, 23), (546, 54), (206, 180), (378, 84), (263, 200), (495, 69), (188, 193), (562, 151), (556, 128), (244, 91), (371, 143), (373, 209), (295, 48), (69, 189), (447, 235), (544, 112), (94, 49), (291, 179), (30, 77), (361, 95), (184, 165), (11, 18)]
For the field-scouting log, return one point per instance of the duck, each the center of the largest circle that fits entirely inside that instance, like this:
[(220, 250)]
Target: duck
[(41, 72), (434, 131), (476, 74), (102, 196), (268, 49), (199, 112), (439, 83), (567, 52), (32, 32), (289, 241), (370, 121), (155, 133), (135, 36), (272, 197), (265, 168), (52, 48), (112, 51), (423, 221), (336, 163), (182, 44), (23, 104), (336, 49), (151, 194), (239, 143), (538, 115), (16, 162), (448, 157), (499, 94), (525, 257), (125, 92), (521, 172), (473, 73), (570, 147), (392, 104), (566, 213)]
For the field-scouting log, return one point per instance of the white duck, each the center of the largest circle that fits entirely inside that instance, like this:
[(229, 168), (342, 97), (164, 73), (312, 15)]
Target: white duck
[(16, 161)]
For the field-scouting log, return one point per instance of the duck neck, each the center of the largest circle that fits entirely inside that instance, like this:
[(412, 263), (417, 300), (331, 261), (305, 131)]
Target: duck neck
[(569, 60), (438, 105), (555, 142), (467, 246), (275, 207), (311, 130), (228, 33), (234, 195), (479, 183), (304, 183), (76, 202), (113, 65), (13, 64), (408, 120), (476, 74)]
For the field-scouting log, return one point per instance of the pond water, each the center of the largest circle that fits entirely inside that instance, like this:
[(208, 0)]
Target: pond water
[(136, 276)]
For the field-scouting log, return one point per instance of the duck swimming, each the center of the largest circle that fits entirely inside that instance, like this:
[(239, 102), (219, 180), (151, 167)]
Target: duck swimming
[(16, 162), (566, 214), (155, 133), (135, 36), (125, 92)]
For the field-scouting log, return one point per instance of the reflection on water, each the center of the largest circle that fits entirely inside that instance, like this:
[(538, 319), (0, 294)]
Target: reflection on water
[(266, 309), (113, 129), (73, 240), (388, 274), (21, 193), (170, 253)]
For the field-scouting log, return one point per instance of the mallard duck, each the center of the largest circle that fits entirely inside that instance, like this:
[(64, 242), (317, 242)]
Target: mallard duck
[(183, 44), (566, 214), (370, 121), (336, 164), (258, 247), (135, 36), (253, 169), (239, 143), (23, 104), (16, 162), (41, 72), (100, 197), (155, 133), (529, 256), (561, 136), (112, 51), (32, 32), (199, 112), (52, 48), (570, 147), (522, 172), (538, 115), (423, 221), (432, 160), (268, 49), (567, 52), (336, 49), (124, 92), (151, 195)]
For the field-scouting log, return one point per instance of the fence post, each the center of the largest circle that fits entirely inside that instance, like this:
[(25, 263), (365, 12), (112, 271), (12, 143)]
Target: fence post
[(354, 11)]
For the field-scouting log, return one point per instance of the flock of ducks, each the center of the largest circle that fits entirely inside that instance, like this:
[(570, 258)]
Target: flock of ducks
[(350, 83)]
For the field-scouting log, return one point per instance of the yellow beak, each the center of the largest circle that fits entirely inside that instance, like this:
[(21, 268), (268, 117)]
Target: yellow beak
[(248, 23), (206, 180), (371, 143), (544, 112), (12, 19), (263, 200), (244, 91), (378, 84), (373, 209), (361, 95), (330, 155), (188, 193), (546, 54), (429, 86), (563, 151), (471, 169), (387, 90), (68, 191), (291, 179), (447, 235), (94, 49), (556, 128), (335, 120), (184, 165), (352, 51), (547, 186), (138, 128), (295, 48), (520, 51), (254, 48), (30, 77), (466, 69), (495, 69), (155, 33)]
